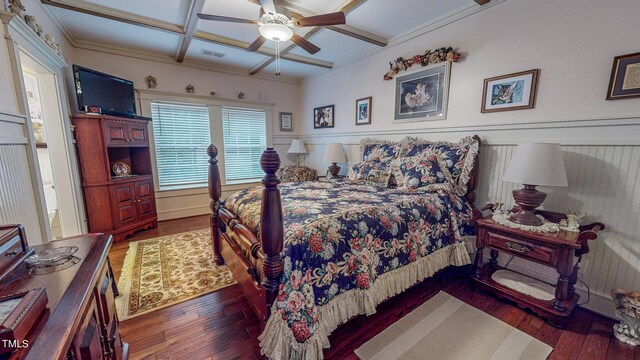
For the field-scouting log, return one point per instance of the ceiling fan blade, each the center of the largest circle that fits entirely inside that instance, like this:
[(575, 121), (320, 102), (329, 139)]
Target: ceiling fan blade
[(257, 44), (305, 44), (268, 6), (226, 19), (336, 18)]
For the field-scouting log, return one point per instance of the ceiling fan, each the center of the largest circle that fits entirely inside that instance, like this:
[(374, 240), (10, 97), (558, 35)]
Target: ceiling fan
[(275, 24)]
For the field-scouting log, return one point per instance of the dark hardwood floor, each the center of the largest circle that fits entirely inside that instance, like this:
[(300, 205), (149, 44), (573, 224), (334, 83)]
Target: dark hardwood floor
[(221, 325)]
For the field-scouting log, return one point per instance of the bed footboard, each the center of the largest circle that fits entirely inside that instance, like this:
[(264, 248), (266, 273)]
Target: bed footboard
[(270, 242)]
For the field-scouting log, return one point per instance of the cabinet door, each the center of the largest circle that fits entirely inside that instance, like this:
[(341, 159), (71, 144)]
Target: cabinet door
[(145, 200), (116, 133), (123, 197), (138, 135), (89, 335), (109, 318)]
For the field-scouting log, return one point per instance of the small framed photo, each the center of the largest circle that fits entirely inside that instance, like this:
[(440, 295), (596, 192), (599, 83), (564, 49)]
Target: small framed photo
[(422, 95), (363, 111), (286, 121), (625, 77), (515, 91), (323, 117)]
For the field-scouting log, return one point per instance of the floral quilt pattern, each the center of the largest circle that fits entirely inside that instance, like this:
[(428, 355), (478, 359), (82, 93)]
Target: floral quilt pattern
[(340, 236)]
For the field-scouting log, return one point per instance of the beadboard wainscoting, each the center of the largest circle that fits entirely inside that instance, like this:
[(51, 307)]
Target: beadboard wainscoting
[(603, 174), (17, 201)]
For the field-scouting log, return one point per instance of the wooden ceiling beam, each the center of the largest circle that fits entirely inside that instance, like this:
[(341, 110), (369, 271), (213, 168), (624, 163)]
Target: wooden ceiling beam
[(190, 25), (117, 15), (346, 29)]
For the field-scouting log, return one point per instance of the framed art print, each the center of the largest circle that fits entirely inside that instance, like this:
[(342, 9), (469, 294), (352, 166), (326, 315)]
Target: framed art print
[(625, 77), (515, 91), (422, 95), (363, 111), (286, 121), (323, 117)]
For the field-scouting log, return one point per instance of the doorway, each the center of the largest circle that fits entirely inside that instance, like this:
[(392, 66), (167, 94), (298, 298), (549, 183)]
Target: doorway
[(56, 176)]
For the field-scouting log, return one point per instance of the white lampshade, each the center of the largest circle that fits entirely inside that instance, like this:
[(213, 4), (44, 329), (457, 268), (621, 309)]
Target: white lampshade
[(335, 153), (276, 32), (537, 164), (297, 147)]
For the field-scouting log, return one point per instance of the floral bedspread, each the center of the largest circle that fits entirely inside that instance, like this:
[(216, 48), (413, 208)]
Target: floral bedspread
[(341, 235)]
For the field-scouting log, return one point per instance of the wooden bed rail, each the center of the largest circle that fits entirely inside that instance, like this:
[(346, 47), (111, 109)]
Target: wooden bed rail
[(271, 222)]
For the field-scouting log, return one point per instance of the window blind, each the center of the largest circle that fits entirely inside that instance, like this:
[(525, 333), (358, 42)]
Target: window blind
[(245, 138), (182, 135)]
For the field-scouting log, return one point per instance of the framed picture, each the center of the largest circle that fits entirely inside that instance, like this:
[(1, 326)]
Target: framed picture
[(363, 111), (625, 77), (18, 314), (422, 95), (323, 117), (515, 91), (286, 121)]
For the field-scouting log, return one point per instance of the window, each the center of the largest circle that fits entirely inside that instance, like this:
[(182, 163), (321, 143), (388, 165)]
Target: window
[(245, 138), (182, 135)]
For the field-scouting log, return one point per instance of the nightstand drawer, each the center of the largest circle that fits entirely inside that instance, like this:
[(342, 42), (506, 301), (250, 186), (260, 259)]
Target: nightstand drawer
[(521, 248)]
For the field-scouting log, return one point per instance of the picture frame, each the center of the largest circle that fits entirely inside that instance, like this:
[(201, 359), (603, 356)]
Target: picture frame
[(18, 314), (516, 91), (625, 77), (363, 111), (422, 95), (323, 117), (286, 121)]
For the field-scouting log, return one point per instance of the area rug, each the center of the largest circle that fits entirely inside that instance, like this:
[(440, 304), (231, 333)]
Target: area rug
[(168, 270), (445, 328)]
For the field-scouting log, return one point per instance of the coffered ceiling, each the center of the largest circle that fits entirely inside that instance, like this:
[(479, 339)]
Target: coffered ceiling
[(170, 30)]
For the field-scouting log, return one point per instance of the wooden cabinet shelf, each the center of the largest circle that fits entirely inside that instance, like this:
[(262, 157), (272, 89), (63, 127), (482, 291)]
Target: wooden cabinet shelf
[(116, 205)]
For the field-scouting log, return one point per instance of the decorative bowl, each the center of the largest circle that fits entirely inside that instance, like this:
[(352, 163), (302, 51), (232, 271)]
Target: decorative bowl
[(51, 256)]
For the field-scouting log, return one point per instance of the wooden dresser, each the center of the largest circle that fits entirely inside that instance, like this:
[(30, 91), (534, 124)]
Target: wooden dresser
[(81, 320), (118, 206)]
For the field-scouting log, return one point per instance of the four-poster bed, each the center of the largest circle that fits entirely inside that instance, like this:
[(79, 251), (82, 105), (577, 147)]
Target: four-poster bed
[(258, 262)]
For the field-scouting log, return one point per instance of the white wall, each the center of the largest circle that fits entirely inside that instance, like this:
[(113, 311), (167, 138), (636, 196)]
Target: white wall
[(573, 43)]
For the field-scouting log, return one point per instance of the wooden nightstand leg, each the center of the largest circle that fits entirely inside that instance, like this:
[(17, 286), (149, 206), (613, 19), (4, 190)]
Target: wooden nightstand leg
[(477, 264), (562, 287), (494, 259)]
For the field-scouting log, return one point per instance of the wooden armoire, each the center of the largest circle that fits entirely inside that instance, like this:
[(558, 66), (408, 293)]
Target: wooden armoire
[(116, 205)]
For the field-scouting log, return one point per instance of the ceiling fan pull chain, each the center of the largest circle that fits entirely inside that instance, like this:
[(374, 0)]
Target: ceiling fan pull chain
[(277, 58)]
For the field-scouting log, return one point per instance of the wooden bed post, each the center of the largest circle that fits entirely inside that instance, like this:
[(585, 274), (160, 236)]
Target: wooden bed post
[(215, 192), (271, 227)]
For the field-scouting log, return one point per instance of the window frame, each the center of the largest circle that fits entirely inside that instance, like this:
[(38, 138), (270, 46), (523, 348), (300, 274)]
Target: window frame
[(215, 105)]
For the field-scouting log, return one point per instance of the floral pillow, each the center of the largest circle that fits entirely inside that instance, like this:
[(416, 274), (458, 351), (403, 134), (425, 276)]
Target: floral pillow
[(426, 171), (459, 157), (380, 150), (371, 172)]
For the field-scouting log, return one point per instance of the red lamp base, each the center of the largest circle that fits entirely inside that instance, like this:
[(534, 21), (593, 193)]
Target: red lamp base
[(528, 199)]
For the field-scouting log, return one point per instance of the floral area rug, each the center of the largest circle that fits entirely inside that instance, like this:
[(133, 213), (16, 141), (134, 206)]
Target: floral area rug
[(164, 271)]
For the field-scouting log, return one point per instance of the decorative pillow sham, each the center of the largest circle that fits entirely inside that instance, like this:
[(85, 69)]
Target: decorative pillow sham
[(371, 172), (459, 157), (380, 150), (426, 171)]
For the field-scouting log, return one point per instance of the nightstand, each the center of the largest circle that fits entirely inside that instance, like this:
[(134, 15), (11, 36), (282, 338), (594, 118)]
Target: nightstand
[(561, 251)]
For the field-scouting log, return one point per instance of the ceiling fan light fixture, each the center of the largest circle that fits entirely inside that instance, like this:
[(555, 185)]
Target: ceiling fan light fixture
[(276, 32)]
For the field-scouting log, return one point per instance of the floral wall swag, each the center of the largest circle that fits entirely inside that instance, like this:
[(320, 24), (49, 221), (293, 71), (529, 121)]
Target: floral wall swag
[(429, 58)]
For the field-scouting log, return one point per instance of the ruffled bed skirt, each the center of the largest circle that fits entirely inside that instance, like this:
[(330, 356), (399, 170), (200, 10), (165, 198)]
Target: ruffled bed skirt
[(277, 340)]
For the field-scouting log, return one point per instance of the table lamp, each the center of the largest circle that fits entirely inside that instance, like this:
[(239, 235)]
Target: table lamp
[(297, 147), (534, 165), (334, 154)]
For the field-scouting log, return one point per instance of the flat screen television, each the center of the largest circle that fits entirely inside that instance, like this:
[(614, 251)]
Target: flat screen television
[(113, 95)]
